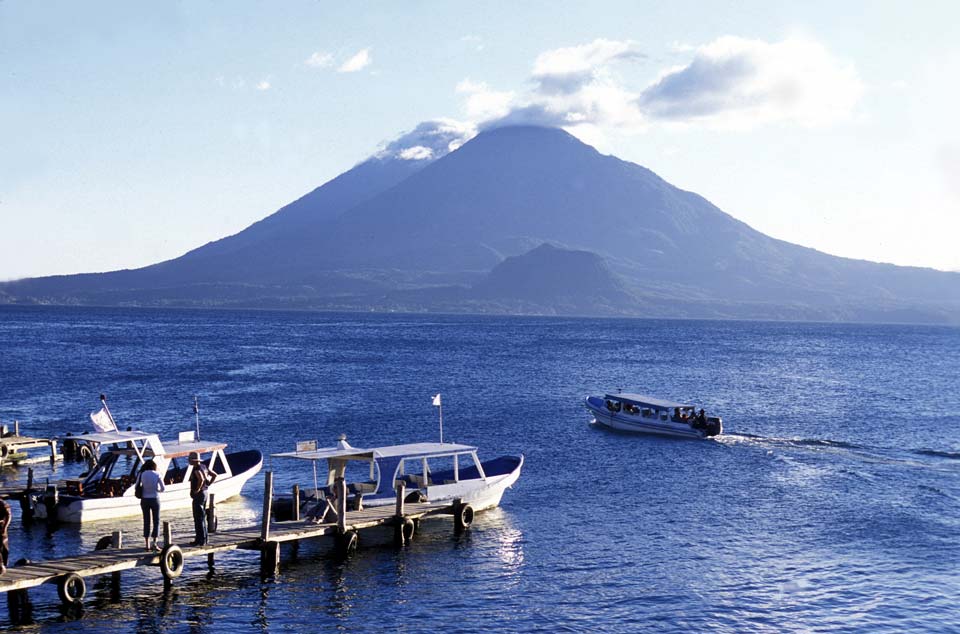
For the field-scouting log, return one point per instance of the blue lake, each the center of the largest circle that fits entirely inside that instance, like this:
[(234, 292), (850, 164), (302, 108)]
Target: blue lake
[(832, 502)]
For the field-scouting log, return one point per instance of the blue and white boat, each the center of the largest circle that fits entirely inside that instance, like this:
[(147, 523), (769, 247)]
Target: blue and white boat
[(645, 414), (439, 472)]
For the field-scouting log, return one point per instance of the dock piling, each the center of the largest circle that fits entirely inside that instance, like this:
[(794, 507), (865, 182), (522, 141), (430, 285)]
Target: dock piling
[(212, 515), (296, 503), (270, 559), (267, 505), (340, 486)]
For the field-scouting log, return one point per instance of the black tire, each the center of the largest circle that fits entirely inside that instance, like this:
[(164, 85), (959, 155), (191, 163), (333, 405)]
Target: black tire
[(71, 588), (415, 497), (171, 562), (347, 543), (408, 530), (463, 517)]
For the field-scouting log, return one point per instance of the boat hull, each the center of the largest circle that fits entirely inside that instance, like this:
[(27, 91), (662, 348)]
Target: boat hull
[(479, 493), (634, 423), (78, 510)]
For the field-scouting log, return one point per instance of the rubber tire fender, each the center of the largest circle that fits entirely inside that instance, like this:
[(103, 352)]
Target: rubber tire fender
[(171, 561), (71, 588), (347, 543), (104, 542), (463, 517), (408, 530)]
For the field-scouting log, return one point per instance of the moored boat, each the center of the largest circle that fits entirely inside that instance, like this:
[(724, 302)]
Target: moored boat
[(107, 490), (434, 472), (646, 414)]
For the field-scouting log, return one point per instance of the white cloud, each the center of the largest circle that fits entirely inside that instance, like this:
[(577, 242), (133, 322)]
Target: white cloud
[(574, 88), (740, 82), (482, 102), (730, 82), (263, 85), (430, 139), (358, 62), (319, 60), (566, 70), (415, 153)]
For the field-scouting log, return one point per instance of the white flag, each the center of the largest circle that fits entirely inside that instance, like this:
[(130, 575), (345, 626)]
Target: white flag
[(436, 401), (101, 421)]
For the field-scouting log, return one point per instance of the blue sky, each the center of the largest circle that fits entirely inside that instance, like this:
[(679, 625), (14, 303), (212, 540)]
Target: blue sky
[(133, 132)]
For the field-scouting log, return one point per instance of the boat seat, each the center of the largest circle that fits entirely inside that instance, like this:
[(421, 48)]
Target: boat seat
[(361, 487)]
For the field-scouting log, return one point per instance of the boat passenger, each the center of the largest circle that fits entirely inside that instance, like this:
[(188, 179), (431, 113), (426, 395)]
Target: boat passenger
[(150, 484), (200, 479)]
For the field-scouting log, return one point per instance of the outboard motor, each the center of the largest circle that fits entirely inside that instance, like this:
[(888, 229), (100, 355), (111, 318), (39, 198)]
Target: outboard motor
[(714, 426), (46, 506)]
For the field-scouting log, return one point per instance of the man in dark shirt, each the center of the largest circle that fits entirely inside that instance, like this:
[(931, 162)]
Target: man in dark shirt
[(200, 478)]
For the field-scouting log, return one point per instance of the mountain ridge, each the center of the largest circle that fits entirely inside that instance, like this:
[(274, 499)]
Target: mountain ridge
[(390, 226)]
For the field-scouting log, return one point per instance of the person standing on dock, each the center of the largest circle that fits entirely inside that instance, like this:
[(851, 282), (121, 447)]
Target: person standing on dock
[(4, 536), (200, 479), (150, 485)]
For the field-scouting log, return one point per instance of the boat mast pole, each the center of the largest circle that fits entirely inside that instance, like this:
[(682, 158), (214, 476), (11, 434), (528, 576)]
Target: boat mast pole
[(196, 412), (103, 399)]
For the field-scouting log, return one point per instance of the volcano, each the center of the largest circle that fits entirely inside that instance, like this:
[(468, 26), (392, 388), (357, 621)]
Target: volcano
[(395, 234)]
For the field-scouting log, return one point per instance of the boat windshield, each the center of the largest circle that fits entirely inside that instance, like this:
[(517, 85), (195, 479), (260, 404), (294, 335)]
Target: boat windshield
[(115, 473)]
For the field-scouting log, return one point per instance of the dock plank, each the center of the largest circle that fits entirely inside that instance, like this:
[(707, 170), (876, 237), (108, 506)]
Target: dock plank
[(240, 538)]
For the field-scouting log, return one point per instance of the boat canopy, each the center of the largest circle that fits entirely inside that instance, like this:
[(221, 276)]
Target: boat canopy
[(115, 436), (412, 450), (640, 399), (168, 448)]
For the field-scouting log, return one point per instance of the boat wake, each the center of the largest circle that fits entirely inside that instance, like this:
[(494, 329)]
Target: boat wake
[(896, 454)]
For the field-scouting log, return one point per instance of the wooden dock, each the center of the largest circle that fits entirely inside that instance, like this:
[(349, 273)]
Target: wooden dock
[(11, 446), (69, 572)]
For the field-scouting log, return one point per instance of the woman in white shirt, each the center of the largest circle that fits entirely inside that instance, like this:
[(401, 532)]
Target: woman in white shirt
[(151, 484)]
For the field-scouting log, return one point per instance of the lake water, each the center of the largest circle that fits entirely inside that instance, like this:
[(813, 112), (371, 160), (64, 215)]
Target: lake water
[(832, 502)]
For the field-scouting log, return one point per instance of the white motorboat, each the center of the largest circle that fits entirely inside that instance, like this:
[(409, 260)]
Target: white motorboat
[(645, 414), (107, 490), (432, 471)]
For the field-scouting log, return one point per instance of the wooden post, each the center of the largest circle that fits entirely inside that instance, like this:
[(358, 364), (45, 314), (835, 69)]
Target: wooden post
[(167, 534), (270, 558), (116, 539), (16, 428), (401, 493), (53, 450), (212, 514), (267, 505), (340, 486), (30, 480), (296, 503), (210, 561), (398, 513)]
